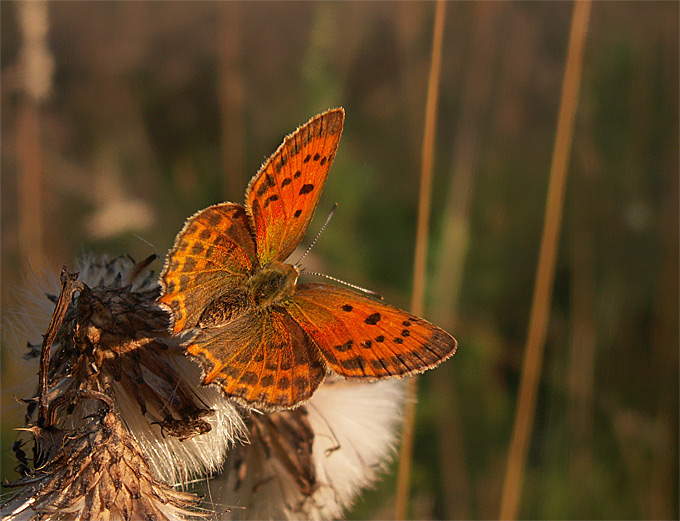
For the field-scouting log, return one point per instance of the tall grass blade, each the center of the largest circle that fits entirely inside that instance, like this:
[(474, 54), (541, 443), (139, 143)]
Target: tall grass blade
[(418, 295), (540, 308)]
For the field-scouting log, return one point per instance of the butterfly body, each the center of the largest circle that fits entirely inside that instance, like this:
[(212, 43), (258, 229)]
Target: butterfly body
[(272, 284), (264, 288), (265, 339)]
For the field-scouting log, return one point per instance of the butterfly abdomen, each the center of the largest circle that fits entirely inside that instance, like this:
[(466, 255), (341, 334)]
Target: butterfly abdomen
[(224, 309)]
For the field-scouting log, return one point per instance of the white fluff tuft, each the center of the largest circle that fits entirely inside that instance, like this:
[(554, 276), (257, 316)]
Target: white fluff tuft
[(355, 428)]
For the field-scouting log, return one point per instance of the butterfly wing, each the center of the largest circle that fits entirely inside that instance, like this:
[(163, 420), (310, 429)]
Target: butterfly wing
[(363, 338), (283, 195), (212, 255), (262, 358)]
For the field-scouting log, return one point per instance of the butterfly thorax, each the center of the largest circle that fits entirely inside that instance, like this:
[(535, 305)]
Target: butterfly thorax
[(265, 287), (271, 284)]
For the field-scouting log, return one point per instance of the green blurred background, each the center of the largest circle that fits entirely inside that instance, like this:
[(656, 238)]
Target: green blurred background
[(119, 120)]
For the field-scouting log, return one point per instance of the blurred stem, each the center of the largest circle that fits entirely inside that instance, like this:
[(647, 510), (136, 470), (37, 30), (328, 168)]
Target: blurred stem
[(582, 322), (231, 94), (36, 66), (661, 494), (418, 295), (30, 181), (540, 308), (454, 248)]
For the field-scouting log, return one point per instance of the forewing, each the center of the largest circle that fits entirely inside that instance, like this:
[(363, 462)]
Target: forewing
[(263, 358), (212, 256), (283, 195), (363, 338)]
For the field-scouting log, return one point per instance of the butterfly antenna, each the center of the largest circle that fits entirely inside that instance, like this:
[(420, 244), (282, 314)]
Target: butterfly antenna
[(330, 214), (353, 286), (153, 246)]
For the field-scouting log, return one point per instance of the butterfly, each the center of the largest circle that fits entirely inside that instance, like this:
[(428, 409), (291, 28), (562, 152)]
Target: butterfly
[(266, 340)]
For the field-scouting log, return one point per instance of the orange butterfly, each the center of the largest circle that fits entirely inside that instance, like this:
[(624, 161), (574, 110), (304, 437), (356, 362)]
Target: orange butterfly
[(265, 339)]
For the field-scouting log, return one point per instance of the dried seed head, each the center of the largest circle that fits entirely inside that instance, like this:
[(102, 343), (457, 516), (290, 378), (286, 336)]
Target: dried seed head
[(97, 471), (312, 462), (114, 338)]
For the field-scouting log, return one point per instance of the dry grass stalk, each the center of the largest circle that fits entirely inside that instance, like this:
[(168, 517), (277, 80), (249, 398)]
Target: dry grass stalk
[(418, 295), (540, 309)]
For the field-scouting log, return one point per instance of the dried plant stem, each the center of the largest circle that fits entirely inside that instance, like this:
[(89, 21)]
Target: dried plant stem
[(69, 285), (418, 295), (540, 309)]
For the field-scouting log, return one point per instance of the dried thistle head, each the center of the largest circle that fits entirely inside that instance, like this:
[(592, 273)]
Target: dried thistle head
[(114, 339), (96, 471)]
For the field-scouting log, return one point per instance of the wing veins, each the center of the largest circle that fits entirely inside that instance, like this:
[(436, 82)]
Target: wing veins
[(243, 347), (383, 346), (212, 270), (214, 244), (338, 340)]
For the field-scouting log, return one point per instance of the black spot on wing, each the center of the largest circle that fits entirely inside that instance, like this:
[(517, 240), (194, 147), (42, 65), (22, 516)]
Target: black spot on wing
[(380, 364), (214, 219), (270, 199), (249, 378), (286, 363), (355, 363), (328, 355), (344, 347), (373, 319), (268, 182), (301, 383)]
